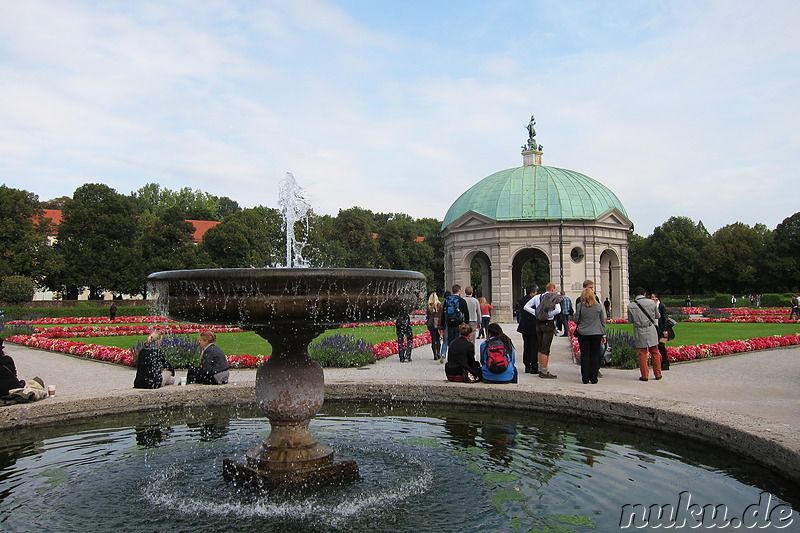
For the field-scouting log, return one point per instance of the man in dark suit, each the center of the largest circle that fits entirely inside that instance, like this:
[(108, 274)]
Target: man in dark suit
[(527, 328)]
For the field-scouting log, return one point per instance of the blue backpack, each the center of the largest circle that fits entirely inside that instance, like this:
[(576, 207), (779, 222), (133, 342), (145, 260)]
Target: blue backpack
[(452, 310)]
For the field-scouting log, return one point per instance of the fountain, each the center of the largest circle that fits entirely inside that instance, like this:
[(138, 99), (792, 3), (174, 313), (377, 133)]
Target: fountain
[(288, 307)]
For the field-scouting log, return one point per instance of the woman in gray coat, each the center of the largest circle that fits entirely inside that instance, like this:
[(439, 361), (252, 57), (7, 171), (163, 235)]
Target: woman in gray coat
[(590, 319)]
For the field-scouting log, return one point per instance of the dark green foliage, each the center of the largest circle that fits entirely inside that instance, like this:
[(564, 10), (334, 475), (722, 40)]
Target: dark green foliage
[(713, 312), (180, 351), (9, 330), (623, 351), (16, 289), (342, 351), (677, 314)]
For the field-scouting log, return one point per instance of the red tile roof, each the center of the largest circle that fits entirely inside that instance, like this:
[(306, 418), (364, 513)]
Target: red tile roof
[(200, 226)]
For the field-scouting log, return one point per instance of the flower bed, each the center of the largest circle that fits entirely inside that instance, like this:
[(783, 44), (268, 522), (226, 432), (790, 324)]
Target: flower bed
[(703, 351), (95, 320), (51, 338)]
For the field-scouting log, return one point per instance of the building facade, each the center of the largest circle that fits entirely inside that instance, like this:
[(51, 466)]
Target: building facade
[(538, 213)]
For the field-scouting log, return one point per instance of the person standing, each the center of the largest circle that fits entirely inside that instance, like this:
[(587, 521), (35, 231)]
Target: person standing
[(566, 314), (688, 301), (795, 306), (214, 368), (112, 311), (643, 314), (545, 307), (663, 330), (474, 308), (607, 305), (433, 320), (590, 321), (733, 300), (454, 313), (526, 326), (486, 316), (405, 337)]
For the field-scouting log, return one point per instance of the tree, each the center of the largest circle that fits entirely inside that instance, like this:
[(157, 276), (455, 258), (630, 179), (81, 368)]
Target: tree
[(676, 250), (194, 204), (354, 228), (786, 239), (96, 239), (248, 238), (731, 259), (23, 243), (166, 243)]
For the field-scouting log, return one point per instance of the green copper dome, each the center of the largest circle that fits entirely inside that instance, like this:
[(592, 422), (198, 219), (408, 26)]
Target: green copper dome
[(536, 192)]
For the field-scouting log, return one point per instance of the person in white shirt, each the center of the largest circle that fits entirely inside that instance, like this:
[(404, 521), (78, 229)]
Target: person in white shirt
[(545, 307)]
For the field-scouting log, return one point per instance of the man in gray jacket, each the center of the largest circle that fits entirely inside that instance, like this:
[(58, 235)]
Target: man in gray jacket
[(643, 314)]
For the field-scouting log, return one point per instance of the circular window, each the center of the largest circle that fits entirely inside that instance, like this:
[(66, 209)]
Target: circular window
[(577, 254)]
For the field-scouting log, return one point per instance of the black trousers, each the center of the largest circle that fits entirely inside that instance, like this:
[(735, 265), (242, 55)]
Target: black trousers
[(530, 351)]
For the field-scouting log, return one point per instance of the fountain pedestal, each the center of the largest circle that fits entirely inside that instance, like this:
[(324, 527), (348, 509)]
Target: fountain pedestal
[(290, 308), (290, 389)]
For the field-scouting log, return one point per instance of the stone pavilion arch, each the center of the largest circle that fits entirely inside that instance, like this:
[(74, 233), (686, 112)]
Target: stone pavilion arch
[(481, 262), (529, 265), (527, 215), (611, 283)]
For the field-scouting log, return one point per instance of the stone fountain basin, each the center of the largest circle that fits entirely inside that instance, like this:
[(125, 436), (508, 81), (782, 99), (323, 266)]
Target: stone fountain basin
[(256, 297)]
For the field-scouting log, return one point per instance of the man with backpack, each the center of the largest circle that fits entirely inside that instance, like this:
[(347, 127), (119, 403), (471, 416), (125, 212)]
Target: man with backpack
[(545, 307), (527, 328), (454, 312), (795, 307)]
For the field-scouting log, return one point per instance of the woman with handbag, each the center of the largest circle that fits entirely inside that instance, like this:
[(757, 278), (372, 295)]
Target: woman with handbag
[(590, 321)]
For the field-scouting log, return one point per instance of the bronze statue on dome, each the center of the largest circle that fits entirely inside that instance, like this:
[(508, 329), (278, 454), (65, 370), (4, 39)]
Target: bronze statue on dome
[(531, 134)]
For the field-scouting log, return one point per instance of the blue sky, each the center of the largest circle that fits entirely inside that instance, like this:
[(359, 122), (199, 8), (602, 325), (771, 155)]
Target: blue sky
[(680, 107)]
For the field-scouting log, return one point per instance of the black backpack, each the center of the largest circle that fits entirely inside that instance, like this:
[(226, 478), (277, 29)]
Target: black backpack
[(452, 310)]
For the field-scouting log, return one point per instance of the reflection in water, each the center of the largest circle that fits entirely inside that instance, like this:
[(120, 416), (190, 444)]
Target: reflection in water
[(423, 469)]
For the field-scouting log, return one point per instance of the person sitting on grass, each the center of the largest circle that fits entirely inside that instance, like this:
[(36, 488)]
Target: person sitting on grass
[(498, 358), (461, 365), (151, 365), (214, 367)]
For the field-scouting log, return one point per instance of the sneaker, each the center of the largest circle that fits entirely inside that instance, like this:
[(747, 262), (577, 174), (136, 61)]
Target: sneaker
[(659, 377), (642, 379), (547, 375), (441, 359)]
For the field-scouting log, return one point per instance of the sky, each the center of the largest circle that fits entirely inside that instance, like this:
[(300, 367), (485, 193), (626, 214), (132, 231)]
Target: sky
[(682, 108)]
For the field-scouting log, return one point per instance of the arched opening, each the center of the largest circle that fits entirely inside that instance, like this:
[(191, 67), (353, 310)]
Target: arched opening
[(481, 275), (611, 282), (529, 266)]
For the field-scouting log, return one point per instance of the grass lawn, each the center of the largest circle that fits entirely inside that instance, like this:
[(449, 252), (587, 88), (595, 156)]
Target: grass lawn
[(690, 333), (251, 344)]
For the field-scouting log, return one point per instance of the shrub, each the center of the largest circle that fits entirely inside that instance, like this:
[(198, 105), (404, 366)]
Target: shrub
[(180, 351), (677, 314), (776, 300), (8, 330), (16, 289), (342, 351), (623, 351), (715, 313)]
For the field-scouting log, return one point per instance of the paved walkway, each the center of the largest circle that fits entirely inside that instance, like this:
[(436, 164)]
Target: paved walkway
[(760, 385)]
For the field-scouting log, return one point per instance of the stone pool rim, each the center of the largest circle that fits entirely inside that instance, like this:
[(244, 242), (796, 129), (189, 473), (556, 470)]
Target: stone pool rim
[(773, 445)]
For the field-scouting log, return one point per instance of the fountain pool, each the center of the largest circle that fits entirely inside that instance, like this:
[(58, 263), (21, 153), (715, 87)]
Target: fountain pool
[(423, 468)]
